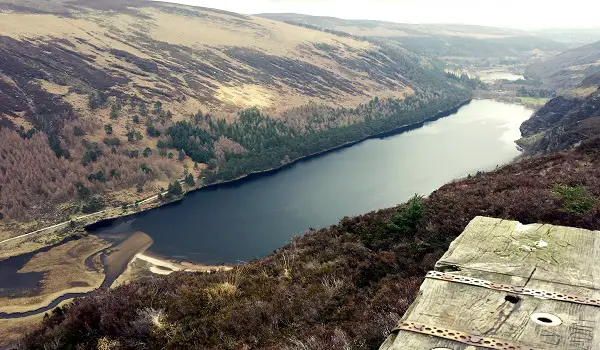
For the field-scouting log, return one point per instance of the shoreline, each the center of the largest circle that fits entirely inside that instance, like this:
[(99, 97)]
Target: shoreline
[(115, 259), (166, 266), (104, 222), (121, 258)]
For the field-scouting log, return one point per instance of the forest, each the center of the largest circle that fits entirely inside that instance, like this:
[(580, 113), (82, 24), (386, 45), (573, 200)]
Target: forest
[(537, 93), (256, 142), (55, 175)]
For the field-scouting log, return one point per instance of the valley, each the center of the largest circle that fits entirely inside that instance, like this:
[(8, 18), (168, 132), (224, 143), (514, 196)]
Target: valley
[(167, 170), (258, 227), (263, 211), (463, 47)]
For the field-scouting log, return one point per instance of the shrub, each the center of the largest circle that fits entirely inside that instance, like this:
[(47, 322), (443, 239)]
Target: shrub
[(132, 153), (175, 189), (404, 223), (143, 109), (130, 135), (92, 153), (99, 176), (97, 100), (112, 141), (94, 204), (189, 180), (55, 144), (575, 200), (152, 131), (114, 114), (78, 131), (145, 168), (409, 218), (82, 191)]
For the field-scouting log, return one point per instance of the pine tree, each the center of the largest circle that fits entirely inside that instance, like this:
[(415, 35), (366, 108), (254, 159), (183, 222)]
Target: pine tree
[(158, 107), (143, 109), (114, 114), (175, 189), (189, 180)]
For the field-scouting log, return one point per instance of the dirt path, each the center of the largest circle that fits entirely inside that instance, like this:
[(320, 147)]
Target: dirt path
[(66, 223)]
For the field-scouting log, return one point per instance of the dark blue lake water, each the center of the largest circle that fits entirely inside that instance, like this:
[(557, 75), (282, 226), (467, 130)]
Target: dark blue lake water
[(250, 219)]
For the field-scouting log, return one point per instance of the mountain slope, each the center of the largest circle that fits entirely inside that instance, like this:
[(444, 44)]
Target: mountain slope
[(195, 57), (567, 70), (575, 37), (564, 121)]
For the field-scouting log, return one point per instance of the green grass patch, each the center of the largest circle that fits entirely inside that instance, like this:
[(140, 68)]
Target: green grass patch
[(575, 200), (534, 101)]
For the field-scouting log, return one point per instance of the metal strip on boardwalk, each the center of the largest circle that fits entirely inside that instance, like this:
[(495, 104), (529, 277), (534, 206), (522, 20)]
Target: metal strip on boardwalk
[(538, 293), (460, 337)]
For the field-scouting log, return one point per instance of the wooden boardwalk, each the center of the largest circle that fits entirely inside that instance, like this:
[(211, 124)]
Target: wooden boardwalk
[(504, 285)]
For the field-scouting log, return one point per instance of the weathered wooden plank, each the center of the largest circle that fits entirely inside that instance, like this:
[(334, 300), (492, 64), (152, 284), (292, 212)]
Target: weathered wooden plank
[(544, 252), (415, 341), (544, 257), (486, 312)]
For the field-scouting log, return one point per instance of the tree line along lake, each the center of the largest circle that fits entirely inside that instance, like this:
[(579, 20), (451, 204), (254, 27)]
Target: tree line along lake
[(248, 219)]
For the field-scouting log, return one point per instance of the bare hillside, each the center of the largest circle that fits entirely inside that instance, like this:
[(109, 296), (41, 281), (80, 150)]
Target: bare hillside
[(194, 58)]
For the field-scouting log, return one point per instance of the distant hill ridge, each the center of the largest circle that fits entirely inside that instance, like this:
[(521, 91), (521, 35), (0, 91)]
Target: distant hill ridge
[(438, 40), (566, 71)]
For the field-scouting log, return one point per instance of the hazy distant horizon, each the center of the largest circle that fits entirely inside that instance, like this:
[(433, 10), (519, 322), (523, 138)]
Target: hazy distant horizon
[(515, 14)]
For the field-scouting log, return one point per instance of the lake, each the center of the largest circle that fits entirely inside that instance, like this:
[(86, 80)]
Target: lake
[(249, 219)]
